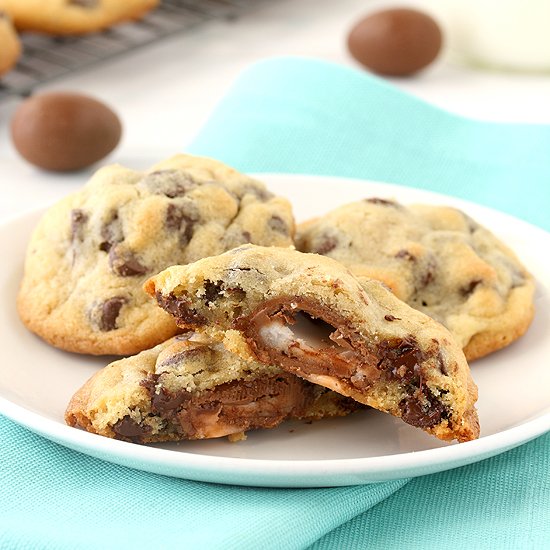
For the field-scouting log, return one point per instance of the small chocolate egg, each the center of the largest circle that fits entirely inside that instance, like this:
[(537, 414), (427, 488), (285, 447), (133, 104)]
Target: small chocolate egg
[(63, 131), (395, 42)]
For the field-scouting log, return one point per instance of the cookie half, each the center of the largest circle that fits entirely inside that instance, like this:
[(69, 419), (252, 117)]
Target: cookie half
[(190, 388), (438, 260), (310, 316), (66, 17), (88, 257)]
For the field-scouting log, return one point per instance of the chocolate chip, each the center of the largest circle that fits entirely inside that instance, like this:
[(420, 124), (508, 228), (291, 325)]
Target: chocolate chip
[(212, 291), (126, 427), (165, 401), (171, 183), (391, 318), (469, 288), (247, 237), (473, 226), (111, 232), (89, 4), (181, 219), (180, 310), (385, 202), (422, 415), (181, 357), (328, 243), (428, 276), (162, 400), (254, 189), (174, 216), (401, 359), (124, 263), (78, 222), (277, 224), (110, 310), (405, 254)]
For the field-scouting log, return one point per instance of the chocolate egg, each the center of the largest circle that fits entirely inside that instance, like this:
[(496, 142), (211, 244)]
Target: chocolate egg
[(395, 42), (62, 131)]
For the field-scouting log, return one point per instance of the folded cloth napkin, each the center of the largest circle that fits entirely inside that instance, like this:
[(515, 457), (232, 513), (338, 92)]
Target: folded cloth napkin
[(305, 116)]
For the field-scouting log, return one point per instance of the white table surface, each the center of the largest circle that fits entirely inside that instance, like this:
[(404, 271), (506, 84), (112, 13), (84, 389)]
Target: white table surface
[(165, 92)]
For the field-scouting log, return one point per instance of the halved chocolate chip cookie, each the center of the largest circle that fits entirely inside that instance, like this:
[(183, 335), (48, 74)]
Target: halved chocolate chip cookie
[(438, 260), (190, 388), (310, 316), (88, 257)]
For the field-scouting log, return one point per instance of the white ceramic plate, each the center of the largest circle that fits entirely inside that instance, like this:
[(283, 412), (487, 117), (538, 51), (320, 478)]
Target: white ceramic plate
[(37, 381)]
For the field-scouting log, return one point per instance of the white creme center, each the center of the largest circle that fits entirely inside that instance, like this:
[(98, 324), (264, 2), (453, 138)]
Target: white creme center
[(306, 332)]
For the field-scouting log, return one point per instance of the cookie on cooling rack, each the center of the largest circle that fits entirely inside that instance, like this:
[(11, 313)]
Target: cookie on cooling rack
[(91, 252), (66, 17), (10, 46)]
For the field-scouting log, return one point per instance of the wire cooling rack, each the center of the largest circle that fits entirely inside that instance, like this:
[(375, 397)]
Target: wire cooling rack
[(46, 57)]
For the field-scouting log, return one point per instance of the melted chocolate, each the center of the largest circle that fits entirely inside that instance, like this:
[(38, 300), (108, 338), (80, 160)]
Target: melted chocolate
[(276, 223), (182, 220), (428, 276), (88, 4), (110, 310), (262, 195), (421, 415), (163, 402), (391, 318), (111, 233), (401, 358), (405, 254), (328, 243), (385, 202), (233, 406), (212, 291), (356, 366), (179, 308), (327, 361), (78, 222), (127, 428), (125, 264), (170, 183), (469, 288)]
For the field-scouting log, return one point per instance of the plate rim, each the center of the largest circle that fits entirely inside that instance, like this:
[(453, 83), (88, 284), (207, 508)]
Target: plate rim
[(304, 472), (265, 472)]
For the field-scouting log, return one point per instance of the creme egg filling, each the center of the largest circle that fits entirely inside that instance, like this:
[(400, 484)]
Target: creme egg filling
[(307, 334), (317, 351)]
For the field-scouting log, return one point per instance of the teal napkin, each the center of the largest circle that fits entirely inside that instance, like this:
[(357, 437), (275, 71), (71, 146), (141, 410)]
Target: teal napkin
[(293, 115), (307, 116)]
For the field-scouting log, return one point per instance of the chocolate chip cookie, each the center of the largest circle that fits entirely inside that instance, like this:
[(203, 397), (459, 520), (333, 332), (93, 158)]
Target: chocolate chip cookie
[(438, 260), (308, 315), (10, 45), (190, 388), (91, 252), (66, 17)]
